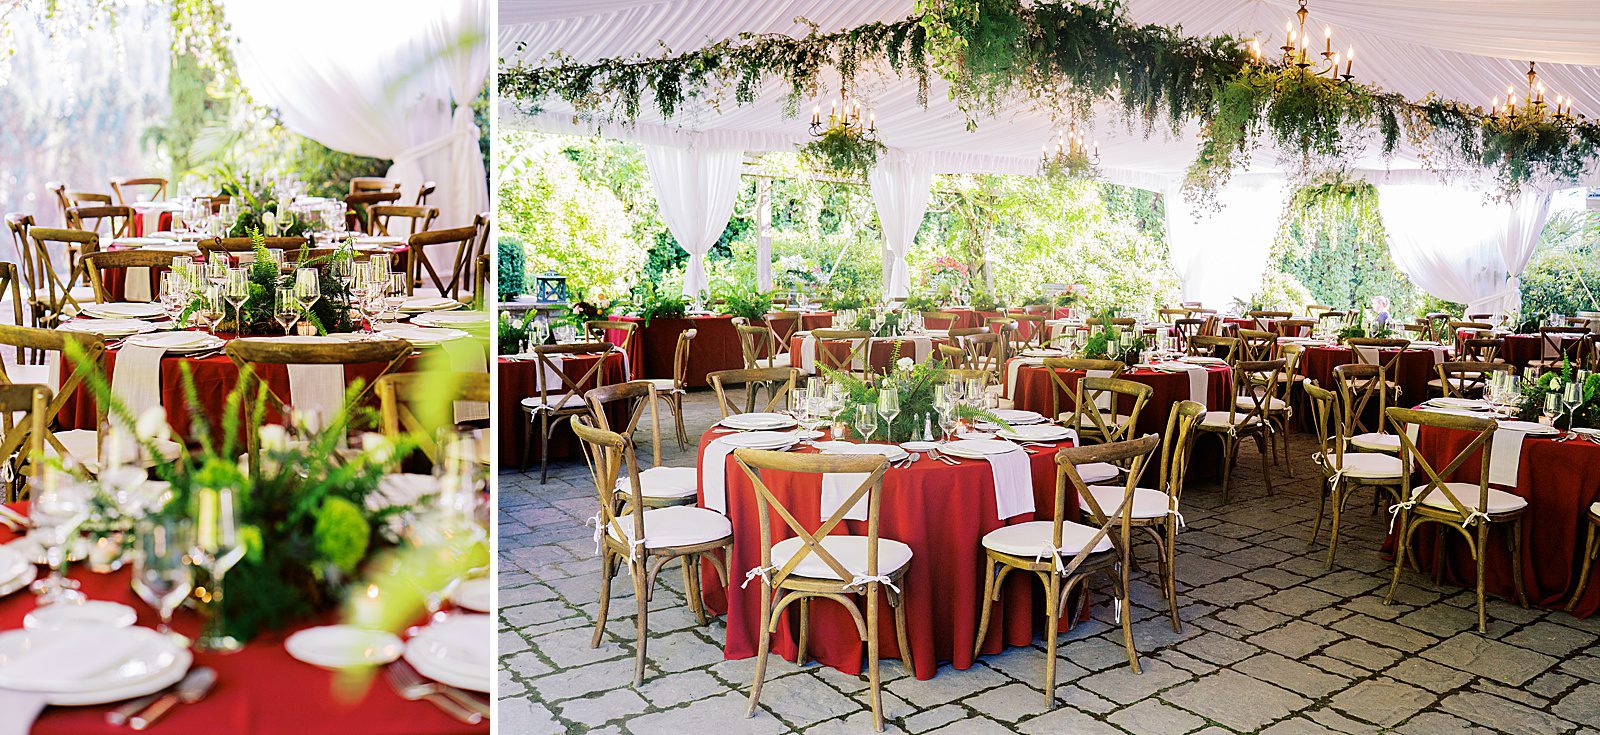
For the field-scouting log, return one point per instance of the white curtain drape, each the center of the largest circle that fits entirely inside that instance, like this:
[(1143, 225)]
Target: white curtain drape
[(696, 190), (1456, 244), (901, 185), (1221, 254), (384, 78)]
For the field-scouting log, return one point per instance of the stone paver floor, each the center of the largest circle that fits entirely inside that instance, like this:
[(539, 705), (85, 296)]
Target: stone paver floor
[(1271, 641)]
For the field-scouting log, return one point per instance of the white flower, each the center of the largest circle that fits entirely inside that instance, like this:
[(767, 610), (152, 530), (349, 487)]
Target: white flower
[(377, 447), (274, 438), (152, 426), (905, 363)]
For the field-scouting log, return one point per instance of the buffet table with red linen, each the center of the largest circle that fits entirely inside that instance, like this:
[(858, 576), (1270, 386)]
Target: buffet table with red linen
[(519, 379), (1560, 481), (882, 350), (942, 513), (715, 346), (260, 690), (1412, 370), (1033, 390)]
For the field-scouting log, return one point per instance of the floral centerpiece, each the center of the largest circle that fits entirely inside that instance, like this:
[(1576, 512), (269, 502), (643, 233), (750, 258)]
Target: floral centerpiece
[(744, 300), (257, 206), (1108, 342), (914, 383), (650, 302), (946, 280), (330, 314), (1531, 400)]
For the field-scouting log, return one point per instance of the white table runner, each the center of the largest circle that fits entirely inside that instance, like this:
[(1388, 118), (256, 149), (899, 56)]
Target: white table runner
[(316, 391), (136, 381)]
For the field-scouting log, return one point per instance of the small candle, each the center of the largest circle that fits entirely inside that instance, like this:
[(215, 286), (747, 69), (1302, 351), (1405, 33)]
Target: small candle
[(1327, 40), (1349, 59)]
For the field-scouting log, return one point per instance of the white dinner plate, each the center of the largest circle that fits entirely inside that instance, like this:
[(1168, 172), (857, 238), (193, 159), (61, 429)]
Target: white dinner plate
[(89, 613), (761, 439), (124, 310), (108, 327), (893, 452), (29, 548), (919, 446), (1459, 403), (13, 565), (757, 421), (1038, 433), (1528, 427), (422, 336), (139, 658), (419, 304), (461, 319), (1036, 352), (343, 646), (1017, 417), (978, 448), (181, 342), (1203, 360), (455, 651), (474, 594)]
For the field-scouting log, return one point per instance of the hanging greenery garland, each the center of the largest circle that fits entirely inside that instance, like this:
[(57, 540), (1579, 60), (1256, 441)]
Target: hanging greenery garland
[(1067, 57), (843, 152)]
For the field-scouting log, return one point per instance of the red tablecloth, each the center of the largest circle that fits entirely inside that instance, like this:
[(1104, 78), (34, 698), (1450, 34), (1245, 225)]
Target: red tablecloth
[(1560, 481), (1521, 349), (163, 222), (1413, 369), (260, 690), (942, 513), (1034, 391), (881, 350), (519, 379), (715, 346)]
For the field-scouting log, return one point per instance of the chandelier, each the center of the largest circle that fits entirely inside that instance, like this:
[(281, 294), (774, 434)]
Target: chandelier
[(1530, 108), (1071, 154), (845, 115), (1297, 51)]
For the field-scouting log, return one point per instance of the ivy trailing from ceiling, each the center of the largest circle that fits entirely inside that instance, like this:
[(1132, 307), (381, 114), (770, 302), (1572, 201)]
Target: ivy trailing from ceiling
[(841, 151), (1065, 58)]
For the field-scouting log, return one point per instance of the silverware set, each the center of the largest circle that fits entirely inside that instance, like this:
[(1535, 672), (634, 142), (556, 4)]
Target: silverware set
[(452, 701), (936, 454), (144, 712)]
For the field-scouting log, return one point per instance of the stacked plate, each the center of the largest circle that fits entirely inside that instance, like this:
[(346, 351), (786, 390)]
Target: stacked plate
[(978, 448), (1203, 360), (84, 666), (126, 310), (422, 336), (177, 343), (156, 243), (343, 646), (373, 243), (757, 421), (16, 570), (457, 319), (771, 440), (1017, 417), (420, 304), (455, 651), (108, 327), (1038, 433), (1043, 352), (893, 452), (1529, 427)]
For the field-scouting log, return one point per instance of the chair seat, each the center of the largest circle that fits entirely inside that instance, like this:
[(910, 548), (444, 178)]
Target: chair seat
[(1245, 403), (1373, 441), (851, 551), (1220, 419), (1500, 501), (83, 447), (1594, 513), (1147, 503), (29, 374), (1367, 465), (662, 385), (679, 525), (663, 482), (1098, 472), (1457, 385), (1033, 537), (560, 402)]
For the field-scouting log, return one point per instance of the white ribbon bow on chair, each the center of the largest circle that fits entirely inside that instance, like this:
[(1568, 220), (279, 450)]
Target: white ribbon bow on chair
[(860, 581), (764, 573)]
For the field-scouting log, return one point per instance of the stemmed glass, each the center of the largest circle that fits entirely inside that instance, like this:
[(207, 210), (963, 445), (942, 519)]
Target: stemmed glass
[(57, 510), (396, 294), (866, 422), (1572, 396), (212, 308), (286, 309), (161, 575), (237, 291), (217, 547), (888, 408), (1552, 407), (199, 215), (173, 297), (307, 288)]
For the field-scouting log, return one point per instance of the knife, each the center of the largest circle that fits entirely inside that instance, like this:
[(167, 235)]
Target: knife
[(193, 688)]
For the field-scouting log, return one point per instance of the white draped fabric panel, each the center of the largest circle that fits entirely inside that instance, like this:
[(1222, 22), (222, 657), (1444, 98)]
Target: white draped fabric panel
[(696, 189), (1220, 254), (377, 78), (1522, 220), (901, 186)]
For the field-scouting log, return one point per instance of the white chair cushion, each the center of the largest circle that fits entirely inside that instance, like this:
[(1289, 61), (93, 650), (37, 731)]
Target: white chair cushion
[(83, 446), (1244, 403), (1455, 383), (1500, 501), (1096, 472), (851, 551), (782, 360), (679, 525), (662, 385), (1147, 503), (35, 374), (1375, 442), (1594, 510), (1367, 465), (1028, 539), (1221, 418), (663, 482), (555, 402)]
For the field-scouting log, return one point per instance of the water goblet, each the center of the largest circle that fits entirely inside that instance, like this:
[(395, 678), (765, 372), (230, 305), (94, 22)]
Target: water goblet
[(218, 546), (57, 510), (307, 288), (888, 408), (285, 309), (866, 421), (1572, 397), (161, 574)]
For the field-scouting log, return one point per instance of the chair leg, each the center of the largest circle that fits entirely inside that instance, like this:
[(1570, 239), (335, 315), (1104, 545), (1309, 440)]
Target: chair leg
[(1283, 434), (761, 650), (1124, 604), (691, 587), (1230, 452), (1478, 557), (544, 448), (1399, 555), (1583, 574), (607, 570), (1170, 549), (1340, 491), (1262, 440), (1052, 602), (527, 443), (1322, 499), (1515, 530), (874, 674), (677, 416), (642, 596), (902, 637), (989, 593), (805, 632)]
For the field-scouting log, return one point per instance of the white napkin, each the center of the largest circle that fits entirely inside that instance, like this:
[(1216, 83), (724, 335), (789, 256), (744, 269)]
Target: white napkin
[(1438, 355), (714, 475), (136, 284), (1505, 457), (1013, 483), (468, 355), (55, 662), (922, 347), (136, 381), (1199, 381), (808, 354), (317, 390), (1016, 364), (550, 375), (1369, 355), (858, 360), (836, 486), (1104, 400)]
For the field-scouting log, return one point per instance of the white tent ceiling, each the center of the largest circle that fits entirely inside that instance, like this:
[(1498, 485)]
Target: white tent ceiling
[(1463, 49)]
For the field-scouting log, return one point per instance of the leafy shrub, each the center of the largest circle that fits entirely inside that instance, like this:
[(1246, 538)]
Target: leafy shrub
[(1564, 275), (512, 263)]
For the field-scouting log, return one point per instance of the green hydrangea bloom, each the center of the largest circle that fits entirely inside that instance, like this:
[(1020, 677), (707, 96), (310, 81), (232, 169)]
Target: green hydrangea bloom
[(342, 534)]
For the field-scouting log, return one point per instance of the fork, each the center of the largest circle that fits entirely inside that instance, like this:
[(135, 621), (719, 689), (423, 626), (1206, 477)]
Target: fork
[(936, 454), (410, 685)]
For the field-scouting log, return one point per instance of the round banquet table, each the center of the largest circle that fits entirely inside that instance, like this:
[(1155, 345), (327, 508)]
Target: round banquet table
[(519, 379), (116, 279), (969, 318), (1560, 481), (715, 346), (942, 513), (260, 690), (1521, 349), (1033, 390), (1413, 369), (882, 349)]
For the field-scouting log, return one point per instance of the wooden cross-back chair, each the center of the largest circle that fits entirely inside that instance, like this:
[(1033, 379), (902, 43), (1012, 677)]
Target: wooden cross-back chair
[(359, 205), (1062, 390), (1064, 555), (368, 184), (954, 356), (54, 298), (97, 264), (1337, 317), (1463, 379), (802, 562), (1257, 345), (1562, 344), (642, 539), (947, 320), (784, 324), (756, 346), (674, 389), (1481, 349), (1206, 345), (128, 190), (1438, 323), (1098, 408), (1371, 351), (243, 244), (598, 331), (11, 287), (426, 190), (1186, 329), (1344, 471), (67, 198), (249, 353), (399, 392), (1315, 311), (554, 403), (855, 360), (1037, 333), (464, 238), (1293, 327), (661, 486), (1168, 315), (76, 446), (1363, 390), (1255, 384), (1469, 509), (986, 351), (111, 221), (779, 381), (22, 413), (415, 219)]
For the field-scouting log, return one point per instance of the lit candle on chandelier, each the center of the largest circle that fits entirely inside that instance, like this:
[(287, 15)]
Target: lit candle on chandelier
[(1333, 71), (872, 122), (1288, 29), (1349, 59), (816, 114), (1327, 40)]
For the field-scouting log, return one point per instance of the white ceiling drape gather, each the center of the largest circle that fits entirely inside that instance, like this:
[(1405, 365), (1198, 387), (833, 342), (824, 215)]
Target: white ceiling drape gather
[(383, 78), (901, 185), (696, 189)]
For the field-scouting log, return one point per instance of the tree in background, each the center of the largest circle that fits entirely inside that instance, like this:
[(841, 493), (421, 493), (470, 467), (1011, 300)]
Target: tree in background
[(1564, 274), (1331, 245)]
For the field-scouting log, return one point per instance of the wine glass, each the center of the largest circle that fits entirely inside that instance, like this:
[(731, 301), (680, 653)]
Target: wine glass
[(1552, 407), (172, 298), (217, 547), (237, 290), (286, 309), (888, 408), (866, 422), (211, 307), (307, 288), (1572, 396), (199, 214), (57, 510), (161, 575)]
